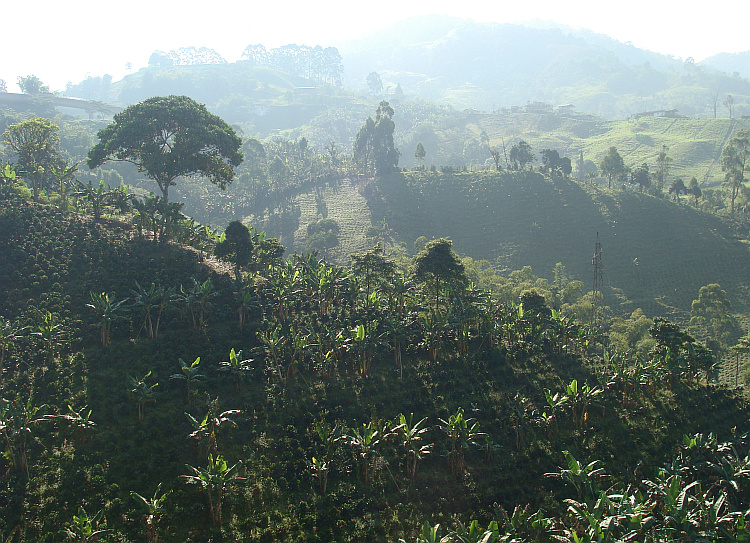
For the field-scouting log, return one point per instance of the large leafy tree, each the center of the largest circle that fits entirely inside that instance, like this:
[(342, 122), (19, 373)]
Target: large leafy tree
[(36, 143), (169, 137), (439, 268), (521, 155)]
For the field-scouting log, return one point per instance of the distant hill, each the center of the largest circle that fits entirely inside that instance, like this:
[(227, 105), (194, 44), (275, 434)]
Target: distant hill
[(730, 63), (455, 62), (488, 66)]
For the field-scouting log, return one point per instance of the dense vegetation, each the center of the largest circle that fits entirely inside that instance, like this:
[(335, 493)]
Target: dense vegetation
[(308, 400), (163, 379)]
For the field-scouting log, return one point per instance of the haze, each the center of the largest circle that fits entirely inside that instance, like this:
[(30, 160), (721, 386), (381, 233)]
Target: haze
[(65, 42)]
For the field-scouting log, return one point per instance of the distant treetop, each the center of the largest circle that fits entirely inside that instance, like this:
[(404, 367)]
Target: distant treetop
[(185, 56), (315, 63)]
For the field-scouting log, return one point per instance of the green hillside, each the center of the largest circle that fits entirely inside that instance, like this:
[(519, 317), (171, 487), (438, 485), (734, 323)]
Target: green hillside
[(310, 416), (657, 251)]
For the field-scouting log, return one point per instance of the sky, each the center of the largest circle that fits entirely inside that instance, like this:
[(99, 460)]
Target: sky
[(62, 42)]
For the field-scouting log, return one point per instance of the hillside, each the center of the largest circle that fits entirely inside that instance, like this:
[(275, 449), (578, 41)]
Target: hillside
[(314, 420), (658, 253)]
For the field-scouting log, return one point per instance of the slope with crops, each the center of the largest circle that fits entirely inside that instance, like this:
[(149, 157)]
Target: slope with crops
[(149, 396)]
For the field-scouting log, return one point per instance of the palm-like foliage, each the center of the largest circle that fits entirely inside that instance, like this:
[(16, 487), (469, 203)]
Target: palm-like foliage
[(18, 420), (10, 333), (107, 310), (214, 480), (189, 373), (463, 433), (237, 367), (411, 439), (154, 507), (84, 527), (151, 302), (197, 298), (141, 392), (206, 430)]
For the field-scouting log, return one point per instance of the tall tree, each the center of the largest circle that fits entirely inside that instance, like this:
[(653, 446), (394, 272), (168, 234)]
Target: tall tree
[(640, 176), (373, 146), (36, 143), (420, 153), (375, 83), (440, 268), (31, 84), (663, 162), (236, 246), (735, 161), (521, 155), (169, 137), (612, 165)]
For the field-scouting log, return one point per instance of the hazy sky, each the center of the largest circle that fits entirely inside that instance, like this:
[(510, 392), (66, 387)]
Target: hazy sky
[(61, 41)]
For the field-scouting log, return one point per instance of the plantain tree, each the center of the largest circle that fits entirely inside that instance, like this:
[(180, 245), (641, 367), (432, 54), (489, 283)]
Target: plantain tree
[(214, 480)]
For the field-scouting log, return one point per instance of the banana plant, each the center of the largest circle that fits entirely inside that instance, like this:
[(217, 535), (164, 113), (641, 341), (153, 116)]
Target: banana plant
[(10, 334), (330, 436), (237, 367), (411, 438), (365, 442), (152, 302), (585, 478), (18, 421), (463, 433), (141, 392), (107, 310), (215, 479), (189, 373), (84, 527), (154, 507), (206, 430), (197, 298), (51, 332)]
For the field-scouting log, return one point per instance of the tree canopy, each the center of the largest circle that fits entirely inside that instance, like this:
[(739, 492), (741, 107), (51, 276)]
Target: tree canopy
[(169, 137), (36, 142)]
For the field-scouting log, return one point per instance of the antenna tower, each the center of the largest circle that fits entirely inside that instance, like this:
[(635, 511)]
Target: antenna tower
[(598, 275)]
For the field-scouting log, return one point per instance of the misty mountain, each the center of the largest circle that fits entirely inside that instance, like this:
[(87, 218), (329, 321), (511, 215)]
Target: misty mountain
[(731, 63), (459, 63), (487, 66)]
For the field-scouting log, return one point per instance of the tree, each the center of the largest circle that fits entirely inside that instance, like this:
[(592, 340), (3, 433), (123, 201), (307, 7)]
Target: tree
[(677, 188), (640, 176), (106, 309), (440, 268), (189, 374), (612, 165), (374, 83), (31, 84), (169, 137), (236, 246), (694, 189), (214, 480), (154, 507), (663, 162), (3, 86), (420, 153), (520, 155), (36, 143), (735, 161), (141, 392), (729, 104)]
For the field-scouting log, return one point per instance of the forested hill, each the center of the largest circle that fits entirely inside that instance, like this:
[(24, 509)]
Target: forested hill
[(454, 62), (657, 251)]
